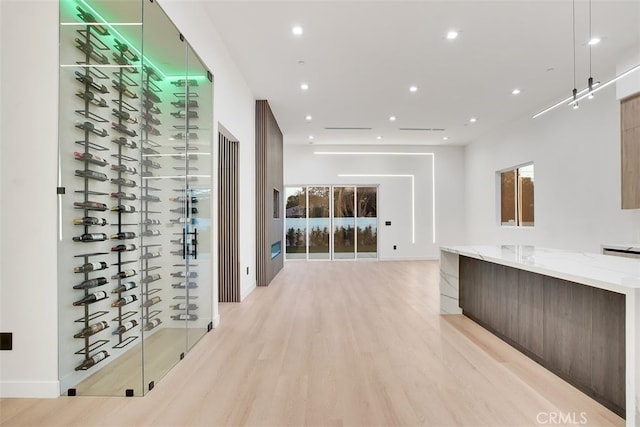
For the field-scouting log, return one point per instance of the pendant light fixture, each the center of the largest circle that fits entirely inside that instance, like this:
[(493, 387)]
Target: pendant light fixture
[(592, 86)]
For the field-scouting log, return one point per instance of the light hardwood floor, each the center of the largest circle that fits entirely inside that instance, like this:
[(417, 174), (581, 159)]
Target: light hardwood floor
[(333, 344)]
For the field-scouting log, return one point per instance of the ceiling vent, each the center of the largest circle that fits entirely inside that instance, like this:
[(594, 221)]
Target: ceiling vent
[(347, 128), (424, 129)]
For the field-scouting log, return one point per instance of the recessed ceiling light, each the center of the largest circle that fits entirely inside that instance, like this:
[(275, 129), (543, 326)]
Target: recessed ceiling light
[(515, 92), (308, 118), (297, 30), (392, 118), (452, 35), (445, 138), (310, 137), (413, 89), (473, 120), (378, 137), (304, 86), (594, 41)]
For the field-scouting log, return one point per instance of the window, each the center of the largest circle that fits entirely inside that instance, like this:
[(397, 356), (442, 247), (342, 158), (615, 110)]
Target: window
[(516, 196), (276, 204)]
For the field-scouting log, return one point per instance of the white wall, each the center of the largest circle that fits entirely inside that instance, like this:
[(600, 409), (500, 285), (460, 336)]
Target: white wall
[(234, 108), (28, 179), (577, 179), (302, 167)]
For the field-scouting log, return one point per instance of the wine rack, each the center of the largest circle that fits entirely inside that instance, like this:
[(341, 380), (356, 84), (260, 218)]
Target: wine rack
[(124, 123), (90, 124), (135, 131)]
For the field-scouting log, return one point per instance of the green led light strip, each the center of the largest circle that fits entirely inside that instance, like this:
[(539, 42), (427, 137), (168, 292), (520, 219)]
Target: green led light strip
[(146, 61)]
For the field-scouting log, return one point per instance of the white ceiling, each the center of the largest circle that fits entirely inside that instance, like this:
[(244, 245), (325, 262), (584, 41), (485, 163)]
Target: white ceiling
[(360, 57)]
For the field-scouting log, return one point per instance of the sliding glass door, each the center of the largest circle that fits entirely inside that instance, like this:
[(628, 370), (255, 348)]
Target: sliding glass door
[(331, 222)]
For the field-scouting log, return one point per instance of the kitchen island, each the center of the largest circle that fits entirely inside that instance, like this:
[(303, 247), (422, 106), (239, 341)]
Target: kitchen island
[(575, 313)]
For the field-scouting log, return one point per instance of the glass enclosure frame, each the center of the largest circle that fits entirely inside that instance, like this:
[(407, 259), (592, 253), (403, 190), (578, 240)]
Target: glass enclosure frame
[(135, 183)]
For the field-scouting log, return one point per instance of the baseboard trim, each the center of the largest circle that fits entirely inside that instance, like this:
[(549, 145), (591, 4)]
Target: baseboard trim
[(247, 291), (216, 321), (434, 258), (34, 389)]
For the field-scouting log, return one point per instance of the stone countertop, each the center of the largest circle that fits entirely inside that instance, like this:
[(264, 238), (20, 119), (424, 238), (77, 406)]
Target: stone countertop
[(616, 274)]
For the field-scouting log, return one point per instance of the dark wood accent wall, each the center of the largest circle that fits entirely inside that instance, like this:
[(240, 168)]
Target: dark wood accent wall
[(630, 151), (574, 330), (228, 217), (269, 176)]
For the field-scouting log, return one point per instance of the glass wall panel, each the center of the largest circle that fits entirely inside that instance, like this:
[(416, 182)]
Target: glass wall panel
[(319, 222), (367, 222), (134, 252), (344, 222), (295, 225)]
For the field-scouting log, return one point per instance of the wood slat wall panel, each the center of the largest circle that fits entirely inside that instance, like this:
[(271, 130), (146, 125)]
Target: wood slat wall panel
[(228, 206), (630, 152)]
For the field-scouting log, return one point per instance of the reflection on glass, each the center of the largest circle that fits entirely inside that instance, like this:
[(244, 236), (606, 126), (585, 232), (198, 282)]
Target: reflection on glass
[(319, 222), (367, 222), (508, 197), (344, 223), (296, 223)]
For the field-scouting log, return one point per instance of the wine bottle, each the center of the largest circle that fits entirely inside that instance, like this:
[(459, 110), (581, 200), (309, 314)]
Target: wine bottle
[(99, 176), (89, 19), (124, 235), (192, 274), (125, 51), (124, 208), (126, 65), (152, 301), (124, 301), (149, 221), (90, 158), (91, 298), (183, 113), (90, 266), (183, 306), (88, 126), (124, 116), (151, 278), (150, 198), (194, 210), (150, 163), (91, 51), (96, 358), (150, 233), (152, 324), (124, 182), (123, 248), (151, 130), (180, 136), (126, 286), (151, 73), (124, 274), (87, 79), (148, 150), (91, 237), (91, 283), (92, 329), (123, 89), (124, 168), (183, 285), (182, 199), (147, 174), (123, 196), (150, 255), (125, 327), (151, 96), (87, 95), (192, 103), (121, 140), (90, 220), (184, 316), (185, 82), (150, 119), (150, 107), (123, 129), (91, 205)]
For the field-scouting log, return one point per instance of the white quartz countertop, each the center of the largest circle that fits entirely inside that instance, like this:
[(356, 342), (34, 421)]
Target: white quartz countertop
[(635, 247), (613, 273)]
